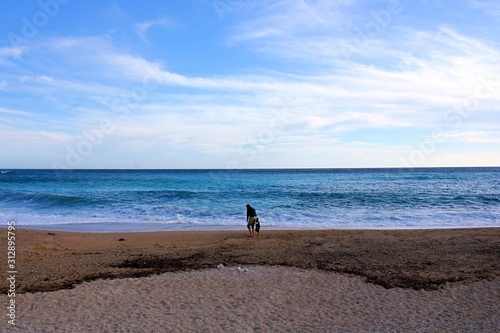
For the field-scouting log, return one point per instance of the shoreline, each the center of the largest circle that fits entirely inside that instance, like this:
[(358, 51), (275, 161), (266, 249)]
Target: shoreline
[(428, 259), (85, 228)]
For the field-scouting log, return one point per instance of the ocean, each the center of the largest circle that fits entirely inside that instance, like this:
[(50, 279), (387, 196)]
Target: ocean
[(147, 200)]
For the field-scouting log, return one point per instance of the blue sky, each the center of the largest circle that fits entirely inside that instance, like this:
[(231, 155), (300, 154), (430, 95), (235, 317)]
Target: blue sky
[(249, 84)]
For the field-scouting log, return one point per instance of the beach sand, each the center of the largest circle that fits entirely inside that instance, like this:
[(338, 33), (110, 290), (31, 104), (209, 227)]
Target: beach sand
[(288, 281)]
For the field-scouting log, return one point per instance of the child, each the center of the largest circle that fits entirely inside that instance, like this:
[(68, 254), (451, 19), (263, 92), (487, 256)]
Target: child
[(257, 226)]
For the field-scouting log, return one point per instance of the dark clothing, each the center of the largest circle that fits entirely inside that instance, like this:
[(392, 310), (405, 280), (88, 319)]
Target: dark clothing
[(251, 212), (251, 220)]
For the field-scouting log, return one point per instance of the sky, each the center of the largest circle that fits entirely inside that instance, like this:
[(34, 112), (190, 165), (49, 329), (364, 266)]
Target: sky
[(233, 84)]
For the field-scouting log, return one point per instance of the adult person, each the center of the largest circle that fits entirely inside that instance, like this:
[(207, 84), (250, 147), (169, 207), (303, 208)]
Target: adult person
[(251, 218)]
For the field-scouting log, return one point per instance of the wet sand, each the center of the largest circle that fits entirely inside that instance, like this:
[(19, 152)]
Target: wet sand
[(416, 259)]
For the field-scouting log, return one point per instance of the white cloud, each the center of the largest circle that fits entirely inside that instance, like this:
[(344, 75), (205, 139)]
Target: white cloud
[(361, 97), (284, 18), (13, 139), (490, 7), (143, 27), (16, 112), (8, 54), (408, 79), (479, 158), (441, 79), (475, 137)]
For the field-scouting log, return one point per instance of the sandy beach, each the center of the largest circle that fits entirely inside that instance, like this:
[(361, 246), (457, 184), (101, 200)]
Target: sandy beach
[(282, 281)]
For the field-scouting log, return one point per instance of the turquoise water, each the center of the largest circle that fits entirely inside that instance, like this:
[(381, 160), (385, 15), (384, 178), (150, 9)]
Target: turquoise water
[(141, 200)]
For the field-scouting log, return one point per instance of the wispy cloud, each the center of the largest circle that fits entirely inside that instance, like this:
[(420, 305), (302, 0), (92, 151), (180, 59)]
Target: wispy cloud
[(477, 137), (405, 80), (351, 96), (490, 7), (143, 27), (284, 18), (16, 112), (7, 54)]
